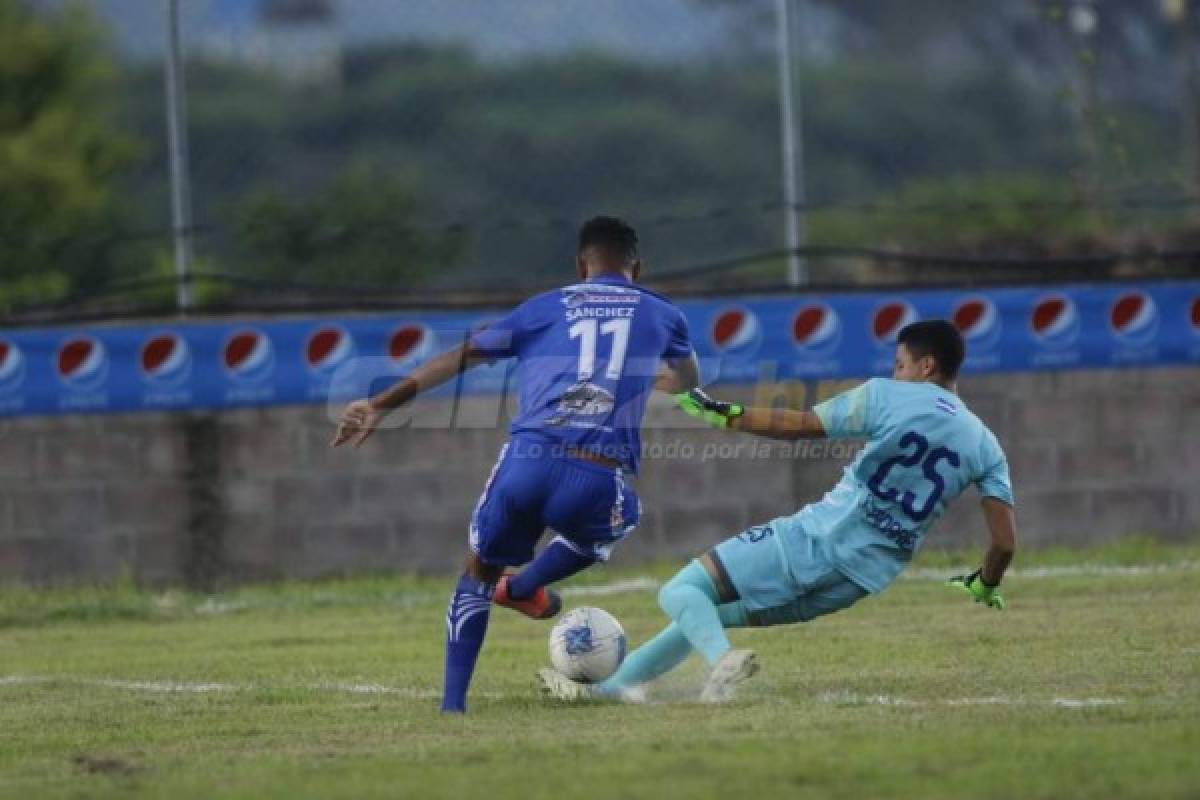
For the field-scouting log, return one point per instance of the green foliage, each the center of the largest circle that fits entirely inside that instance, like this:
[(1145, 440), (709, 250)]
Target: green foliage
[(964, 213), (358, 230), (59, 152)]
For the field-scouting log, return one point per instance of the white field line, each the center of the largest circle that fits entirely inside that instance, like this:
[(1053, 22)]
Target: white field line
[(645, 583), (187, 687), (1064, 571), (640, 584), (841, 697), (848, 698)]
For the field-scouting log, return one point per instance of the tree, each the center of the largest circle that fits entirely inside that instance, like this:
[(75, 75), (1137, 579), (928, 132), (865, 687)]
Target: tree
[(358, 231), (59, 153)]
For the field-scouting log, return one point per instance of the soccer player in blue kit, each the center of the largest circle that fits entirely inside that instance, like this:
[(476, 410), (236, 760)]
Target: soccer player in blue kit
[(588, 356), (923, 448)]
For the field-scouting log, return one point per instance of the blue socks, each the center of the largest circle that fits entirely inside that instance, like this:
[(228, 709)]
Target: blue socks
[(557, 561), (466, 625)]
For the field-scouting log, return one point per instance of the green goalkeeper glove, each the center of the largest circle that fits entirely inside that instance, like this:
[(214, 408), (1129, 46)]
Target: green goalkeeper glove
[(973, 585), (714, 412)]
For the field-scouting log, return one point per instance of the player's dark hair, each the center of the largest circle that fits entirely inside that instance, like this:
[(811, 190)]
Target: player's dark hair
[(938, 338), (615, 237)]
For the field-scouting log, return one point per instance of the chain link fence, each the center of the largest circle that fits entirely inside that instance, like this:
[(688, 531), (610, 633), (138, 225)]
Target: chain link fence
[(365, 152)]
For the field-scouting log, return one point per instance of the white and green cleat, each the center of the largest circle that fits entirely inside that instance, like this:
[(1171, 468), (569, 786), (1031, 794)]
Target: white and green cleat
[(731, 671), (553, 685)]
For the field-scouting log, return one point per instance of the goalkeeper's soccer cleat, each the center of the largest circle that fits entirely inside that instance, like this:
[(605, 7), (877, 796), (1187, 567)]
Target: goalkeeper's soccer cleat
[(713, 412), (731, 671), (544, 603), (973, 585)]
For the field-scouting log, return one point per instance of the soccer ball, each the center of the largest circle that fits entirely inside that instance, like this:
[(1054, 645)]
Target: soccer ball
[(587, 645)]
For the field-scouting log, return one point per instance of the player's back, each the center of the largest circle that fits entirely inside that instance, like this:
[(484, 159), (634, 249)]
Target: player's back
[(588, 356), (924, 447)]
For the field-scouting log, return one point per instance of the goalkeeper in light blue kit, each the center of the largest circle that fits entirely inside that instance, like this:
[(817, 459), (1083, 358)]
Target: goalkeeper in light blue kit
[(924, 447)]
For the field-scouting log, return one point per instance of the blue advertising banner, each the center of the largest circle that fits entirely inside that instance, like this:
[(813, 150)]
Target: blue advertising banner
[(228, 364)]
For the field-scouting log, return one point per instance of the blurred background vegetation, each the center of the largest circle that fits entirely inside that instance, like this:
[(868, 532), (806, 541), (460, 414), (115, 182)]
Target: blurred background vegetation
[(389, 158)]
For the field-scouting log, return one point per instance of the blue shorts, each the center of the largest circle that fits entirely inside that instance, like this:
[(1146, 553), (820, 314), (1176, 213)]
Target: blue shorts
[(779, 583), (588, 505)]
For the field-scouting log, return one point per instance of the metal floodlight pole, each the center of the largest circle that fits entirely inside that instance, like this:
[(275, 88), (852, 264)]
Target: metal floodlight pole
[(177, 146), (793, 166)]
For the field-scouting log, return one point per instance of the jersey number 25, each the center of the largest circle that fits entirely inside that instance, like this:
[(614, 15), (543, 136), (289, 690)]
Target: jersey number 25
[(929, 464)]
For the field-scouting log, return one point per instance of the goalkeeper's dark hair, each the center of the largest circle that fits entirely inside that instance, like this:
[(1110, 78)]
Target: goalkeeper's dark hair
[(614, 237), (938, 338)]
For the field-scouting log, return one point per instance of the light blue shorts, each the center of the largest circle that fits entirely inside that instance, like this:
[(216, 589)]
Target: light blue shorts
[(778, 590)]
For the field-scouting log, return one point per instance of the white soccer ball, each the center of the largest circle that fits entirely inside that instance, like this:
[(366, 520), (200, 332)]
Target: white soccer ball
[(587, 645)]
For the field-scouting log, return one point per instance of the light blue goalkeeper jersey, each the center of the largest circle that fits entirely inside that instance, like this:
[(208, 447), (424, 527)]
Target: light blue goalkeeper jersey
[(924, 447)]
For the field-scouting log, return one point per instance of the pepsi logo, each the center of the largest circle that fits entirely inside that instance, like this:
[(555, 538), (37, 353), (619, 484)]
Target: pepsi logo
[(82, 363), (1194, 315), (735, 330), (1133, 318), (12, 366), (977, 320), (409, 342), (248, 356), (889, 319), (328, 348), (816, 328), (165, 359), (1054, 320)]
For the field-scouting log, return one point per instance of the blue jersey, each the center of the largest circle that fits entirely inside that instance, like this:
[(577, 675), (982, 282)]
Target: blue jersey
[(924, 447), (588, 355)]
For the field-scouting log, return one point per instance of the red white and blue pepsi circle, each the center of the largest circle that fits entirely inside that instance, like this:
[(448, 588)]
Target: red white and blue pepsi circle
[(410, 342), (82, 363), (816, 329), (328, 348), (978, 321), (165, 359), (735, 331), (248, 356), (12, 367), (1133, 318), (1054, 321), (889, 318)]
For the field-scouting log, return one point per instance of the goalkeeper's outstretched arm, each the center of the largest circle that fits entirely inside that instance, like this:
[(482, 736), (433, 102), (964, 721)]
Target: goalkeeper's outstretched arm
[(772, 423), (779, 423)]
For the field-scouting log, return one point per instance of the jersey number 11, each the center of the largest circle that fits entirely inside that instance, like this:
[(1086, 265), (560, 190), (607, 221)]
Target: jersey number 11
[(586, 329)]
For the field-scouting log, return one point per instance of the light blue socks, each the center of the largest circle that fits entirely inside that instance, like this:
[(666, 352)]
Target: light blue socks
[(690, 599)]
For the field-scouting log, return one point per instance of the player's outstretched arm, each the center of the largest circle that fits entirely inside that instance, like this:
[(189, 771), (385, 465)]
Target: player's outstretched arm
[(772, 423), (982, 584), (360, 418), (680, 375)]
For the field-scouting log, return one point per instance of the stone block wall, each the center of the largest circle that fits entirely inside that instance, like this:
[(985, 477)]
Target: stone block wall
[(256, 494)]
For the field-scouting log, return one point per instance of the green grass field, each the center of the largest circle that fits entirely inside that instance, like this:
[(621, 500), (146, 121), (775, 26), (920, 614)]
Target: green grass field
[(1088, 686)]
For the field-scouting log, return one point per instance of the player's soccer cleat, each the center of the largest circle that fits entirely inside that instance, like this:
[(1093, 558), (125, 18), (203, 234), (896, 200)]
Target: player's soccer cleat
[(544, 603), (731, 670), (554, 685)]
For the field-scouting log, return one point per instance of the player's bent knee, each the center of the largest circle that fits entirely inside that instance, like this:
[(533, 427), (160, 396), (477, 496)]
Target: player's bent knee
[(480, 570)]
